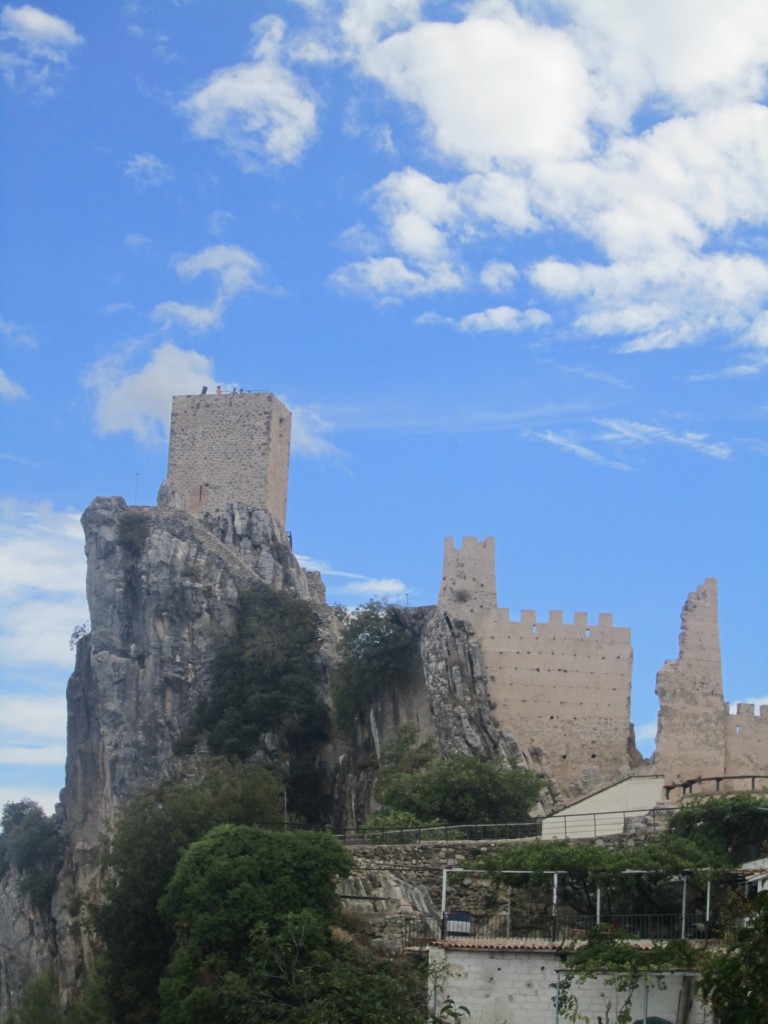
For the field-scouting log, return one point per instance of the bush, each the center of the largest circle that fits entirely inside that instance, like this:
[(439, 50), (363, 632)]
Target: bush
[(132, 532), (463, 791)]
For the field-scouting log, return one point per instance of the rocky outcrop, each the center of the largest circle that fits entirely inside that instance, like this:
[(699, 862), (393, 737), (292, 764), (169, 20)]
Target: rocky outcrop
[(444, 694), (162, 588)]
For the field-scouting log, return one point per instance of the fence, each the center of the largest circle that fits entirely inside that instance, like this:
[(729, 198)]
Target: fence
[(562, 826), (420, 932)]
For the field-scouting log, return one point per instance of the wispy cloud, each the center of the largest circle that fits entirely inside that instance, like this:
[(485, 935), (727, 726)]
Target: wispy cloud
[(575, 447), (14, 334), (627, 432), (597, 375), (357, 585), (34, 45), (145, 169), (235, 271), (10, 389)]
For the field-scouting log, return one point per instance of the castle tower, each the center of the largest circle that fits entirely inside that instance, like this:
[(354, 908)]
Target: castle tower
[(228, 448), (469, 577)]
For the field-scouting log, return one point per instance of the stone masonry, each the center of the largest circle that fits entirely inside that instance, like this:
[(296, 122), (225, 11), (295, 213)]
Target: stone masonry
[(691, 731), (225, 449), (564, 689)]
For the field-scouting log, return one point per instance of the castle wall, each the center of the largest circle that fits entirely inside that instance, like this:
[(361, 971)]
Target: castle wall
[(746, 741), (228, 448), (562, 689), (692, 716)]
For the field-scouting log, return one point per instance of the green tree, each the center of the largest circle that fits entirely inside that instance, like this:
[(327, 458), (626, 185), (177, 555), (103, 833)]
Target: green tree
[(253, 913), (376, 650), (462, 791), (31, 843), (735, 980), (633, 879), (151, 833), (735, 825), (39, 1002), (268, 678)]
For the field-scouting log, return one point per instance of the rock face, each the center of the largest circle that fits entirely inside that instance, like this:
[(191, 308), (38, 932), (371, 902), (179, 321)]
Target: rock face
[(163, 586), (445, 695)]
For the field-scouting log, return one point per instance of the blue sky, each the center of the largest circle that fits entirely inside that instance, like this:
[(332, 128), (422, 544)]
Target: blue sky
[(506, 262)]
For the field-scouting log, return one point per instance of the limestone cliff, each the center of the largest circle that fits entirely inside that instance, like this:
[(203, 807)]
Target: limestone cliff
[(163, 586), (445, 694)]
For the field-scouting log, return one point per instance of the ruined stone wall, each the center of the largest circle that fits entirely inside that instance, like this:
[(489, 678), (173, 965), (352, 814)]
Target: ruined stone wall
[(228, 448), (562, 689), (692, 716)]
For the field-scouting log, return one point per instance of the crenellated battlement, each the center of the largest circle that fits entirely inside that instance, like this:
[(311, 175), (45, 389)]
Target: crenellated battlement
[(561, 688), (469, 576)]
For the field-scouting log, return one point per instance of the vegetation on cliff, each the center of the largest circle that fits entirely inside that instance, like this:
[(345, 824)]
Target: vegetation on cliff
[(418, 788), (376, 650), (30, 843), (266, 691)]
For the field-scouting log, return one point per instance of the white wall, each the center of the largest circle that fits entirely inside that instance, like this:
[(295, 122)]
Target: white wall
[(504, 986)]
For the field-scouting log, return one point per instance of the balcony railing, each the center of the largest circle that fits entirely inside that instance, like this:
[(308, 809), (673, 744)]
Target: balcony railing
[(420, 932)]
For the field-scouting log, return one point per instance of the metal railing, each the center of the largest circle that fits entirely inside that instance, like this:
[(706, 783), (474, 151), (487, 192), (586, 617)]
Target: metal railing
[(420, 932), (564, 826)]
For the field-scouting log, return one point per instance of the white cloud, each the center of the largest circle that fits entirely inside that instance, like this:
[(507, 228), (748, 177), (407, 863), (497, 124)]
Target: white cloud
[(503, 318), (575, 447), (139, 401), (523, 92), (147, 169), (235, 270), (497, 318), (260, 111), (308, 430), (33, 44), (390, 278), (540, 134), (374, 587), (9, 388), (42, 586), (625, 432), (136, 241), (499, 276)]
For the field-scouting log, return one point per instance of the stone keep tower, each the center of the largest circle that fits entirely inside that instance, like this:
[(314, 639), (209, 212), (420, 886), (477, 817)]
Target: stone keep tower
[(228, 448)]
